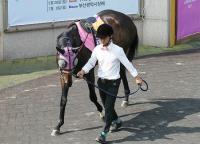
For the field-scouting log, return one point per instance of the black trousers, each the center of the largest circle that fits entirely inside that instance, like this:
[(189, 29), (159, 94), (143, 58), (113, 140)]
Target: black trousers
[(111, 86)]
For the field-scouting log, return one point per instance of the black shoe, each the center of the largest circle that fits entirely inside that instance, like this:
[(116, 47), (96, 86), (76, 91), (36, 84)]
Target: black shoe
[(101, 139), (115, 126)]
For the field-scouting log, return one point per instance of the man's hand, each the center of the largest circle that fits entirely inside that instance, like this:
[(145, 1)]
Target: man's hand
[(138, 80), (81, 73)]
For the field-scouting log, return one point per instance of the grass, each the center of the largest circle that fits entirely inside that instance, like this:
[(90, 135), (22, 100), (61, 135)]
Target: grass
[(14, 72), (148, 50)]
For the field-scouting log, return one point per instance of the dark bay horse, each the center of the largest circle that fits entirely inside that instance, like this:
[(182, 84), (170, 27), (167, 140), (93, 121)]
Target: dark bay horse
[(125, 35)]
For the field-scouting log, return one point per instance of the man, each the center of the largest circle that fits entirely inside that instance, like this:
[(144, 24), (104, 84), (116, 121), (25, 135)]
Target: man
[(109, 57)]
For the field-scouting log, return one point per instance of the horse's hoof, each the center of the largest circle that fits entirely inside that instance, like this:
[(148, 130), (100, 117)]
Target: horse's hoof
[(124, 104), (55, 132), (102, 116)]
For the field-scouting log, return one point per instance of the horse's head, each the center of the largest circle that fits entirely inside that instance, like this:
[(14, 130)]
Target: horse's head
[(75, 46), (68, 45)]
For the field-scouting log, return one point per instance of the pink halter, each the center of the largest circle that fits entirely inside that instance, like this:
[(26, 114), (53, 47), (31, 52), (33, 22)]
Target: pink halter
[(86, 37), (69, 57)]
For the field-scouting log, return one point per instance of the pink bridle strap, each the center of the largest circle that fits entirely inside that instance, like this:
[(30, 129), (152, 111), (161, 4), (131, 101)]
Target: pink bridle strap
[(87, 38), (68, 57)]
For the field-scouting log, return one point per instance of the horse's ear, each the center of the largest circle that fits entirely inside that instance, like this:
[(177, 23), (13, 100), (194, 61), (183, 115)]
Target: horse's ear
[(57, 40), (59, 35), (72, 23)]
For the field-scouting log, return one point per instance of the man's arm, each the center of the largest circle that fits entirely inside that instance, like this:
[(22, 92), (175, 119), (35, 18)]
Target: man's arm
[(88, 66), (124, 60)]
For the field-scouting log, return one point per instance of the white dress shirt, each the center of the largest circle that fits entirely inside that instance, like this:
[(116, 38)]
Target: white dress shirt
[(109, 59)]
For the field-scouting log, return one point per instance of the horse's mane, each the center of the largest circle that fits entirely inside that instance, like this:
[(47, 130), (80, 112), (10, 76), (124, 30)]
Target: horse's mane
[(71, 24)]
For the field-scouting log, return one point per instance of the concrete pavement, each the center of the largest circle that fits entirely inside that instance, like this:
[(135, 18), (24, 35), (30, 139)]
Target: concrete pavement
[(168, 113)]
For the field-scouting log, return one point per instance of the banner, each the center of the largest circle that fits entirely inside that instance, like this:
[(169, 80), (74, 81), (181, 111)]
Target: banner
[(23, 12), (188, 18)]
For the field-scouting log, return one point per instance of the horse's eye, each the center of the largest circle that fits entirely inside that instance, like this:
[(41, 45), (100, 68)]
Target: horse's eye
[(74, 50)]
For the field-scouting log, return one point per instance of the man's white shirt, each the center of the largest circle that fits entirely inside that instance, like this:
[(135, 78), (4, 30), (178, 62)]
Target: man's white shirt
[(109, 59)]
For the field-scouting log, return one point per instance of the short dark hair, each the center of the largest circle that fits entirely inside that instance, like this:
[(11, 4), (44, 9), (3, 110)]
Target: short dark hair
[(104, 30)]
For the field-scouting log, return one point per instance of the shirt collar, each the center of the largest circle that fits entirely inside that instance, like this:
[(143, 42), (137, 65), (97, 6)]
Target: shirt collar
[(107, 47)]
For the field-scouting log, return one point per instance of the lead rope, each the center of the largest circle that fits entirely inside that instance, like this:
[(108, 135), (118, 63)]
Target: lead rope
[(132, 93)]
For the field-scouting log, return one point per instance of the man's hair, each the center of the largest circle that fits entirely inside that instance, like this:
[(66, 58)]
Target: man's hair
[(104, 30)]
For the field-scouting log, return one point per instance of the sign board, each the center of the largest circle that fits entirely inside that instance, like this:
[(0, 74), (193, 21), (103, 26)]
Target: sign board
[(188, 18), (25, 12)]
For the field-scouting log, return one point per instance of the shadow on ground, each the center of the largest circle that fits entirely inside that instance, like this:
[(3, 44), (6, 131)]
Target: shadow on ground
[(153, 124)]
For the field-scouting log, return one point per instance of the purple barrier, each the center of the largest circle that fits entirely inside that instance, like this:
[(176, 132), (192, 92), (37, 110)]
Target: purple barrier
[(188, 18)]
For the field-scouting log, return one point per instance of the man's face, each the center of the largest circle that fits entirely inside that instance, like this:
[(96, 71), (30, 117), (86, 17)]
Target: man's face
[(104, 41)]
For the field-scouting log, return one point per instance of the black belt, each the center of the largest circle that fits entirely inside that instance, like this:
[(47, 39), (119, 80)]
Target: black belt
[(107, 80)]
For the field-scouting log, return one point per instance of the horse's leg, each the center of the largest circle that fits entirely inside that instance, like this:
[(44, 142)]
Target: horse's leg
[(66, 82), (93, 97), (125, 84)]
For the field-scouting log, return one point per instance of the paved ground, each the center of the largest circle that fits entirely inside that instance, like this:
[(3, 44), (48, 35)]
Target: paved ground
[(168, 113)]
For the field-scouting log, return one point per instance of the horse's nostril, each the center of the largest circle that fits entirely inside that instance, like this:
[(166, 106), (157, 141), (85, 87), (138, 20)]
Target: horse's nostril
[(62, 64), (75, 62)]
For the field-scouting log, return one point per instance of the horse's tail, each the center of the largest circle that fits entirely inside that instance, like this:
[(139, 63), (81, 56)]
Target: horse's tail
[(133, 49)]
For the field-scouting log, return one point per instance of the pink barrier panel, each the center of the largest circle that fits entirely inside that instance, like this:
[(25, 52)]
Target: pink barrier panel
[(188, 18)]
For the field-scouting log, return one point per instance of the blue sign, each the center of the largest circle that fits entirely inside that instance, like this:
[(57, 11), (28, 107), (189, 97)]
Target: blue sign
[(24, 12)]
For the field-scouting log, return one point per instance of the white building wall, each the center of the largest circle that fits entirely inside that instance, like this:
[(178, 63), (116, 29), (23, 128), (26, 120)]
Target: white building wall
[(139, 25), (155, 25), (1, 30), (30, 43), (35, 43)]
